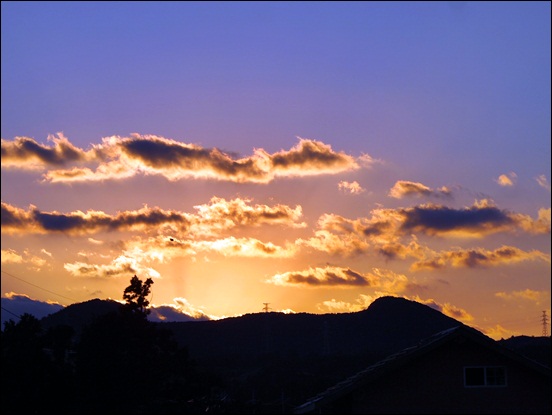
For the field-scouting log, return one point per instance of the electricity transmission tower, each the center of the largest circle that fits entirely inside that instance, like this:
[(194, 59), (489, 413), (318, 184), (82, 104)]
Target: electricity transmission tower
[(266, 308), (544, 324)]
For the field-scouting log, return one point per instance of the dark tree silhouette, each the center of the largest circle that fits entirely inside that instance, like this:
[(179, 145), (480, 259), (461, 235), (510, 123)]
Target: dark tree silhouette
[(32, 381), (136, 294), (127, 364)]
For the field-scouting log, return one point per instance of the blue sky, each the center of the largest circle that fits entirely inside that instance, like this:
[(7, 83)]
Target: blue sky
[(355, 112)]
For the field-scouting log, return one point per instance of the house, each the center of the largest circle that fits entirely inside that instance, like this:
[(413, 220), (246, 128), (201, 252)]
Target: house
[(458, 370)]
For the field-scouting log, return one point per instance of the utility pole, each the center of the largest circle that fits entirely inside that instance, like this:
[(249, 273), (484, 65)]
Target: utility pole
[(544, 324)]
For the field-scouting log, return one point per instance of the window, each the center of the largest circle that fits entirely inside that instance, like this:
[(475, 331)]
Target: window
[(484, 376)]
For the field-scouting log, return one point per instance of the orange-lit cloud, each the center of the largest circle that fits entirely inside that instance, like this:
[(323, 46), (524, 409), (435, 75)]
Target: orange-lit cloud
[(26, 153), (507, 179), (498, 332), (245, 247), (180, 310), (385, 230), (221, 213), (447, 309), (364, 301), (335, 306), (321, 277), (10, 256), (483, 218), (530, 295), (346, 245), (478, 257), (350, 187), (142, 255), (332, 276), (404, 188), (122, 266), (123, 157), (216, 215)]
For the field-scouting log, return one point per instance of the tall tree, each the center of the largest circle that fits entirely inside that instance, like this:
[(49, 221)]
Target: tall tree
[(136, 295)]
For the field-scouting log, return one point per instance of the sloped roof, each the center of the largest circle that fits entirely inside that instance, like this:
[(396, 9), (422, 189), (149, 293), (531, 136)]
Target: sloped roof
[(398, 359)]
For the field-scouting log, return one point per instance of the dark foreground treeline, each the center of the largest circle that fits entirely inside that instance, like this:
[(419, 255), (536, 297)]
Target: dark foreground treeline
[(120, 364)]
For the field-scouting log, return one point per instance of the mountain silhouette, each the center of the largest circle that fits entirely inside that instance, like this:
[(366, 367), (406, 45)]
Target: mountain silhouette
[(79, 315), (270, 361), (388, 325)]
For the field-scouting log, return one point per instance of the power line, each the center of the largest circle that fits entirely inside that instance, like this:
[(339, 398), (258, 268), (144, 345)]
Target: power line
[(37, 286), (13, 314)]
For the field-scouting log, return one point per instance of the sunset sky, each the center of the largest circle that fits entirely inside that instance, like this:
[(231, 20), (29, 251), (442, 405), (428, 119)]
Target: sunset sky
[(310, 155)]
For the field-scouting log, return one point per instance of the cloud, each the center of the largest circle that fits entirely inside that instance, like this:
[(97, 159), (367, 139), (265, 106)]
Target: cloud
[(24, 152), (385, 230), (332, 276), (245, 247), (218, 214), (479, 257), (543, 182), (19, 304), (397, 250), (121, 266), (140, 255), (124, 157), (529, 295), (11, 256), (483, 218), (180, 310), (447, 309), (507, 180), (322, 277), (334, 306), (17, 220), (498, 332), (364, 301), (405, 188), (350, 187), (325, 241)]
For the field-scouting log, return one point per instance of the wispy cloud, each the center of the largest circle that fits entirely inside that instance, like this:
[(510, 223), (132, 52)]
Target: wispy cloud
[(124, 157), (543, 182), (527, 294)]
